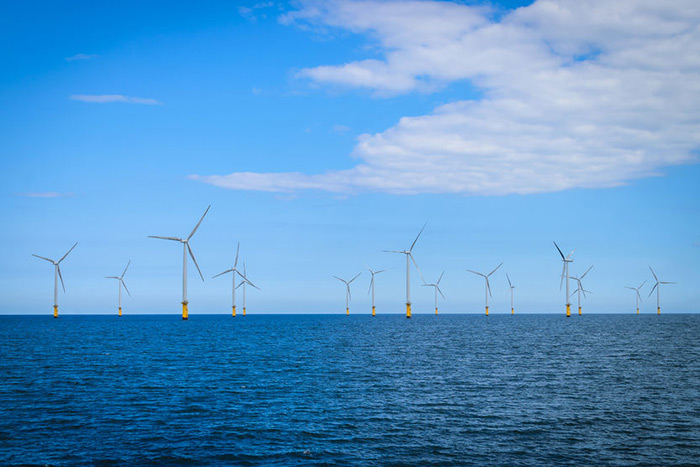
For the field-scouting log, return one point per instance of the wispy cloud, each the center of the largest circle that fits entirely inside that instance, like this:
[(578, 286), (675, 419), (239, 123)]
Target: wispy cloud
[(81, 57), (45, 194), (575, 94), (341, 128), (110, 98), (253, 12)]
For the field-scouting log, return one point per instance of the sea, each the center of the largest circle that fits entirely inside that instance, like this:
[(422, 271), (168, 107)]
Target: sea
[(286, 390)]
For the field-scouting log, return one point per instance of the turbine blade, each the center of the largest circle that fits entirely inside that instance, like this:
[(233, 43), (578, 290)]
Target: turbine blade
[(477, 273), (652, 289), (349, 294), (342, 280), (631, 288), (584, 274), (642, 284), (240, 284), (509, 283), (416, 265), (127, 267), (64, 256), (668, 282), (47, 259), (414, 241), (392, 251), (639, 296), (358, 275), (200, 221), (563, 269), (111, 277), (252, 285), (124, 284), (440, 278), (222, 273), (166, 238), (381, 270), (189, 248), (559, 250), (371, 283), (244, 273), (438, 289), (235, 263), (61, 277), (571, 254), (652, 273), (495, 269), (488, 287)]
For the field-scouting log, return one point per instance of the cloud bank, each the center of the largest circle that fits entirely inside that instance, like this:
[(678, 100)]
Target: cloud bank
[(76, 57), (575, 94), (110, 98)]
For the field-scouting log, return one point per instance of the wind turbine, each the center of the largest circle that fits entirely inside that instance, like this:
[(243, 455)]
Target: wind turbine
[(437, 289), (580, 288), (487, 286), (512, 308), (371, 287), (121, 282), (657, 286), (565, 271), (347, 291), (185, 248), (638, 297), (57, 275), (243, 283), (408, 272), (233, 272)]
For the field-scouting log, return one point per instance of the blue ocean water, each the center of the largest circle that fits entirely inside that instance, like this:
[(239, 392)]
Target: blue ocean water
[(338, 390)]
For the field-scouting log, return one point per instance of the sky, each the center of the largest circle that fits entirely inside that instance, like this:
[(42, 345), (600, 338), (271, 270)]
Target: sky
[(323, 132)]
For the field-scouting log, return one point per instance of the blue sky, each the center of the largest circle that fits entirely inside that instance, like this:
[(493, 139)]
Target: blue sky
[(324, 132)]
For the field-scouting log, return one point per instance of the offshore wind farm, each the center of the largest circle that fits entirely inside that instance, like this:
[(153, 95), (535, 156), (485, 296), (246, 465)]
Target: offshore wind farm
[(369, 192)]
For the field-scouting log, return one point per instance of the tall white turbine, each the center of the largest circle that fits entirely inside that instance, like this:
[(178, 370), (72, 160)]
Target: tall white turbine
[(408, 271), (512, 307), (347, 291), (436, 286), (580, 288), (186, 248), (371, 287), (120, 282), (56, 275), (657, 286), (638, 298), (243, 283), (487, 286), (233, 272), (565, 272)]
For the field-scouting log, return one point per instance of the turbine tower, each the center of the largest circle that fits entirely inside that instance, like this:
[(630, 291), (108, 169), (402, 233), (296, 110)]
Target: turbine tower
[(408, 271), (186, 248), (233, 272), (580, 288), (243, 283), (638, 297), (436, 286), (371, 286), (512, 308), (657, 286), (565, 271), (347, 291), (121, 282), (487, 286), (57, 275)]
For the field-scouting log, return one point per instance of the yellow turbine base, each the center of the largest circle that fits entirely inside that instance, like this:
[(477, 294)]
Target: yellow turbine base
[(637, 310), (185, 312), (579, 311), (55, 311), (568, 310), (243, 311), (347, 312), (512, 311), (120, 312), (435, 311), (487, 311), (408, 310), (233, 312), (374, 312), (658, 310)]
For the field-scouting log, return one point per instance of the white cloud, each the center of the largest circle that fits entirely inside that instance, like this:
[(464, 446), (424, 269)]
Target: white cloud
[(45, 194), (341, 128), (81, 57), (110, 98), (586, 93)]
